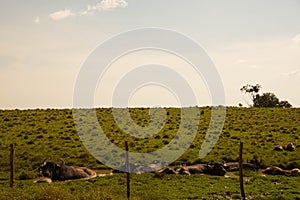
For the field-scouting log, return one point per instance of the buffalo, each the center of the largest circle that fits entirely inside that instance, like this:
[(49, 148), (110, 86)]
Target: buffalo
[(140, 168), (295, 172), (289, 147), (167, 170), (252, 165), (215, 169), (274, 170), (63, 172), (234, 166)]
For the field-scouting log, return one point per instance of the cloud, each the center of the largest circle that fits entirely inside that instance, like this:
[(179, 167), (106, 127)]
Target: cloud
[(291, 73), (296, 39), (37, 20), (111, 4), (104, 5), (62, 14)]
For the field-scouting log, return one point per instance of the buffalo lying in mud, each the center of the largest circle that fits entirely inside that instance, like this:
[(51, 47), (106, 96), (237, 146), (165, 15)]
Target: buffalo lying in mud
[(63, 172), (167, 170), (140, 168), (289, 147), (215, 169), (295, 172), (252, 165), (274, 170)]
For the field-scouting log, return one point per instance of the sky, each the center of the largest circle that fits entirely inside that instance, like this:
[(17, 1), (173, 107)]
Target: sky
[(45, 43)]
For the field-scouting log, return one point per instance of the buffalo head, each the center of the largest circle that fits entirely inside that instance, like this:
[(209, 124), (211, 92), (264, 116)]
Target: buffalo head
[(217, 169), (49, 169)]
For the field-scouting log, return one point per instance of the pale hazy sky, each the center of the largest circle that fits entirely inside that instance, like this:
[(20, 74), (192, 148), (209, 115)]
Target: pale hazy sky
[(44, 43)]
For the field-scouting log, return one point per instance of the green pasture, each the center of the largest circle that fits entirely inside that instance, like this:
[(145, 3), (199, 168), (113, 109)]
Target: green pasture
[(51, 133)]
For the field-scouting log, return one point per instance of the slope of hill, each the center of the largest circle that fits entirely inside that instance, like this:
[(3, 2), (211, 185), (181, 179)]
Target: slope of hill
[(51, 133)]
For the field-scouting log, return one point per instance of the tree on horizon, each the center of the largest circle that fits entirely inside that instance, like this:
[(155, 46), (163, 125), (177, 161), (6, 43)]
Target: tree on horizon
[(264, 100)]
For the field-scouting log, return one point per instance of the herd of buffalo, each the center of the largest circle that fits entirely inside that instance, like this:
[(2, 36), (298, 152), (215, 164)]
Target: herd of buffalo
[(61, 172)]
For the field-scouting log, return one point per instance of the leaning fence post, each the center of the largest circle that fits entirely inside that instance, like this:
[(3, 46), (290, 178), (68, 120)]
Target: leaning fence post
[(241, 171), (12, 167), (127, 170)]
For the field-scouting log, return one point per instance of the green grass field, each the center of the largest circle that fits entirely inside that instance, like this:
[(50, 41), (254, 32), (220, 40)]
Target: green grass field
[(40, 134), (150, 186)]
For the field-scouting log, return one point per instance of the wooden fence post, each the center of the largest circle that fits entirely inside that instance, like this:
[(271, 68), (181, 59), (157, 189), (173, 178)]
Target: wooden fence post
[(241, 171), (12, 167), (127, 170)]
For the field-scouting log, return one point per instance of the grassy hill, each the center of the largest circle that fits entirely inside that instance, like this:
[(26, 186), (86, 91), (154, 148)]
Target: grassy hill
[(51, 133)]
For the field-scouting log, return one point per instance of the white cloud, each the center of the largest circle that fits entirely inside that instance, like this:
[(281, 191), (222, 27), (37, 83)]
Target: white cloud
[(291, 73), (111, 4), (104, 5), (37, 20), (62, 14), (89, 11), (296, 39)]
